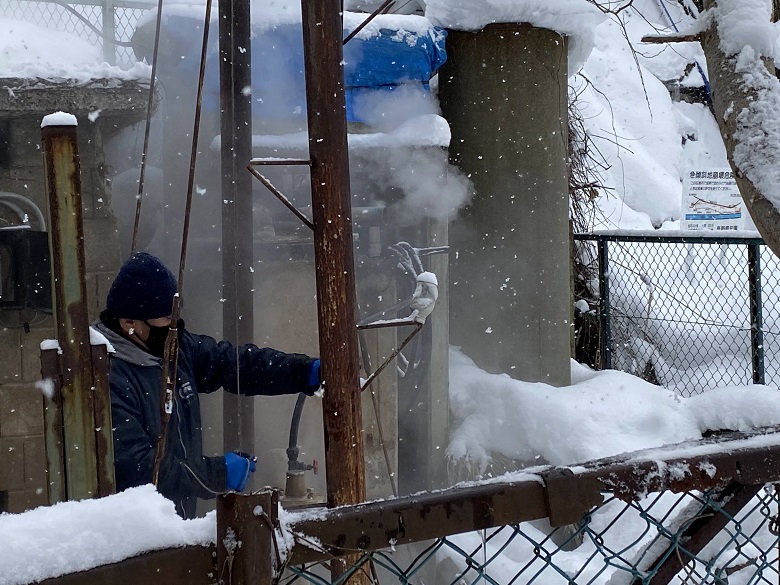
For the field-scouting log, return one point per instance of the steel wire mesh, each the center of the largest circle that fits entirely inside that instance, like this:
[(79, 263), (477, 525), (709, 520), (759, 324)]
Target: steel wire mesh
[(87, 24), (617, 543), (678, 313)]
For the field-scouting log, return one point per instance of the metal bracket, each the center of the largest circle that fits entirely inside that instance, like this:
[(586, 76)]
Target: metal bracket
[(569, 496)]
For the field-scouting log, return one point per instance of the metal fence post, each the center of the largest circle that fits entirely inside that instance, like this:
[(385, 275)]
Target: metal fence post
[(66, 238), (245, 538), (756, 313), (109, 32), (604, 307)]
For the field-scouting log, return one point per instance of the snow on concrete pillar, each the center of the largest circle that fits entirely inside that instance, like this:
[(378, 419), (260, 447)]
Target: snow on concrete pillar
[(504, 93)]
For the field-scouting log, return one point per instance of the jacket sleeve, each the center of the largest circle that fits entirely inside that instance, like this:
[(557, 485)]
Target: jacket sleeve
[(249, 369), (135, 436)]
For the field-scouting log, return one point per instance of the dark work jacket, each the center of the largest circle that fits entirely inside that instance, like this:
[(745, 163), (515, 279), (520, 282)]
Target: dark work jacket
[(205, 365)]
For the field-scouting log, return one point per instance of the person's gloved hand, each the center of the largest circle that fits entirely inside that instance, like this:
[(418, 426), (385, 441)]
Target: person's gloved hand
[(315, 380), (238, 469)]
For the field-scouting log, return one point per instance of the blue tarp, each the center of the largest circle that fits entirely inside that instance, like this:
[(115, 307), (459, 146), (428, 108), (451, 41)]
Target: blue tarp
[(373, 66)]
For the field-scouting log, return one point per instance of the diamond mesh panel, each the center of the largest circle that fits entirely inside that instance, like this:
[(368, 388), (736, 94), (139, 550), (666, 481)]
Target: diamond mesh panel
[(55, 16), (679, 312), (616, 543)]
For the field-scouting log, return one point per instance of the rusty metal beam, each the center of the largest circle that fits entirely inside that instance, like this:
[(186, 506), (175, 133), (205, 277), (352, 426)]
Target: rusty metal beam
[(52, 421), (336, 295), (562, 494), (700, 532), (191, 565), (66, 238), (104, 437)]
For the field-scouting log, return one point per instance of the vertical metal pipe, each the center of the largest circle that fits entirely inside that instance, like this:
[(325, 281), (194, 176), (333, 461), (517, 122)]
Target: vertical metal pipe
[(336, 295), (756, 313), (66, 238), (604, 306), (235, 76), (109, 32)]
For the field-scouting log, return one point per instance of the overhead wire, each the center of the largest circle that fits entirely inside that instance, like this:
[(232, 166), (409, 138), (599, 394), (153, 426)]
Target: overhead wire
[(147, 129)]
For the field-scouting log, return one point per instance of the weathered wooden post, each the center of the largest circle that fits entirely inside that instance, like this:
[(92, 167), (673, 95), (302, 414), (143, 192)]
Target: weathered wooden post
[(334, 256), (78, 416), (245, 535)]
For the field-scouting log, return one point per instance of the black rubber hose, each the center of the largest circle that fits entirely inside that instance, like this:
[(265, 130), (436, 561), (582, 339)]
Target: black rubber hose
[(295, 423)]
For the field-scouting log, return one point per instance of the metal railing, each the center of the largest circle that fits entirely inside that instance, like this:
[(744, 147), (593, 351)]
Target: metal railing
[(100, 22), (695, 514), (688, 313)]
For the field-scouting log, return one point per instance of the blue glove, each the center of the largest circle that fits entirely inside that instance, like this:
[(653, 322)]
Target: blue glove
[(314, 377), (238, 469)]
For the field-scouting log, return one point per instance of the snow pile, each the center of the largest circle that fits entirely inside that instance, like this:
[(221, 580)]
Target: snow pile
[(576, 19), (601, 414), (59, 119), (75, 536), (744, 23), (32, 52)]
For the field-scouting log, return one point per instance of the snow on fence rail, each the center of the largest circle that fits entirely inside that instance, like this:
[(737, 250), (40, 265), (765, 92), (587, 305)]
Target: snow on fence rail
[(687, 312), (700, 512)]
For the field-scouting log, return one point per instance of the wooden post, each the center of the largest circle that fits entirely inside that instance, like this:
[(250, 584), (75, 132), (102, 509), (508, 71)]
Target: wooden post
[(336, 296), (245, 534), (334, 257), (78, 419)]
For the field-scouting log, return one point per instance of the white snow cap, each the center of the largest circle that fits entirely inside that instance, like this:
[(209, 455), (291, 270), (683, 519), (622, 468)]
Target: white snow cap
[(744, 23), (576, 19), (59, 119)]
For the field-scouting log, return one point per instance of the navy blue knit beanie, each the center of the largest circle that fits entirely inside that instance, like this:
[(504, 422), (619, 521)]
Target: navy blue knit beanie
[(142, 290)]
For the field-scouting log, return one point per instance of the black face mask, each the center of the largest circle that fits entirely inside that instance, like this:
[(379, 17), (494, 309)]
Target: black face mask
[(155, 343)]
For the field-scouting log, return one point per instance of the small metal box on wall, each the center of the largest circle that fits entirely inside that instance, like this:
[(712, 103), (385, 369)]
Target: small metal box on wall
[(25, 269)]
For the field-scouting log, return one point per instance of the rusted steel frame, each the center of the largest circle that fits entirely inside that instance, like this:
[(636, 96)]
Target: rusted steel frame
[(235, 75), (336, 295), (418, 327), (630, 478), (382, 7), (409, 519), (701, 531), (66, 239), (104, 442), (190, 565), (170, 364), (246, 547), (52, 417), (281, 197), (557, 493), (261, 162)]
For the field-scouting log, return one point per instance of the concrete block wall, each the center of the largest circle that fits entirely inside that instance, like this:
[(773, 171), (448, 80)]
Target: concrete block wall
[(22, 452), (23, 473)]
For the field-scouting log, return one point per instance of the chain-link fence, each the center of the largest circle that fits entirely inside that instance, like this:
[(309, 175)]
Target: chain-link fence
[(689, 313), (693, 539), (108, 24)]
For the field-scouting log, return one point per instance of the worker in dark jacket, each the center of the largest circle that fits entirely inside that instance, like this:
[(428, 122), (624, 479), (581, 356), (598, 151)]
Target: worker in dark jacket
[(136, 322)]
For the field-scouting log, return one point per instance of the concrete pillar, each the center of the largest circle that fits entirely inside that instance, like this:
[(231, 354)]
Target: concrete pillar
[(504, 93)]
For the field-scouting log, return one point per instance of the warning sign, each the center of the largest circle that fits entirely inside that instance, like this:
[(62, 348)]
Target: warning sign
[(711, 201)]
